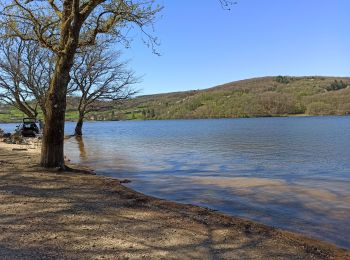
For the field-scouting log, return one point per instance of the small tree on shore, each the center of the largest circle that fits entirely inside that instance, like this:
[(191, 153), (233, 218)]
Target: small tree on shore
[(98, 75)]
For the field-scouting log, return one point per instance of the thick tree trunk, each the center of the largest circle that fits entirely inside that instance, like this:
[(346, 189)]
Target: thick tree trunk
[(52, 152), (79, 126)]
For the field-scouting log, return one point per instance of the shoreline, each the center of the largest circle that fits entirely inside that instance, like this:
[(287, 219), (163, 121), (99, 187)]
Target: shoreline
[(104, 218), (204, 118)]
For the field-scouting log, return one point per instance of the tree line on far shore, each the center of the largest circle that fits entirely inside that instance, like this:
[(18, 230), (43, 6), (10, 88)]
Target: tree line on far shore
[(261, 97)]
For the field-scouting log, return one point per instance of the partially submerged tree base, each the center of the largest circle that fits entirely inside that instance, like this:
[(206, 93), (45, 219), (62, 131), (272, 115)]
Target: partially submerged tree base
[(79, 127)]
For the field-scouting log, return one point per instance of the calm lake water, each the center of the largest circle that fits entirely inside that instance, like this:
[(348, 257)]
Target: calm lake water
[(292, 173)]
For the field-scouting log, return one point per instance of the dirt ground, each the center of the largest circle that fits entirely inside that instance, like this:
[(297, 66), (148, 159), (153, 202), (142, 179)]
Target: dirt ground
[(63, 215)]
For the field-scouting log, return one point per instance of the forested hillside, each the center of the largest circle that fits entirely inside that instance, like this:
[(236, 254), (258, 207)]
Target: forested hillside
[(268, 96), (258, 97)]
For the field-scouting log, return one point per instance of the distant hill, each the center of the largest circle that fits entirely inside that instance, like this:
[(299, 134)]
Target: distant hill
[(257, 97)]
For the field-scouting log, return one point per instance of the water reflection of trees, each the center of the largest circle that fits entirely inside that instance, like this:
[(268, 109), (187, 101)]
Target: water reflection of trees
[(102, 156), (81, 145)]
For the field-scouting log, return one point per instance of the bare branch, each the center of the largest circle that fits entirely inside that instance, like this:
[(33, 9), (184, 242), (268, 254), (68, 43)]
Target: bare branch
[(226, 4), (24, 75), (99, 77)]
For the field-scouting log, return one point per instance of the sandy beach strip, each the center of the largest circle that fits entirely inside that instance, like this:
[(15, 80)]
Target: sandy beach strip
[(65, 215)]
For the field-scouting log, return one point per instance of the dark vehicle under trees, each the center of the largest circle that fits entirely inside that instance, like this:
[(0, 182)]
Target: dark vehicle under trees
[(28, 128)]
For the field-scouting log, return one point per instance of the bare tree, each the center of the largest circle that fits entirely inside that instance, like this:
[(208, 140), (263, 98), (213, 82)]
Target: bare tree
[(64, 26), (226, 4), (98, 75), (25, 71)]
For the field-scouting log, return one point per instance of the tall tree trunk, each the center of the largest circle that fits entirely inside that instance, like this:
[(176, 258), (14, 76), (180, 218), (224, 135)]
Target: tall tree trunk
[(52, 152), (79, 127)]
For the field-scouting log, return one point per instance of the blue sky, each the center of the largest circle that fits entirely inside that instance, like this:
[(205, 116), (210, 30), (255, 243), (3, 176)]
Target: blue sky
[(203, 45)]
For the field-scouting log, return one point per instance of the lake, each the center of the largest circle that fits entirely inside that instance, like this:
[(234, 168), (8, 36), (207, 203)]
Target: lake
[(292, 173)]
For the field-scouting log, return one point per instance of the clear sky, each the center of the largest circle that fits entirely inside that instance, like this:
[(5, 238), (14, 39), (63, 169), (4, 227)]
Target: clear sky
[(203, 45)]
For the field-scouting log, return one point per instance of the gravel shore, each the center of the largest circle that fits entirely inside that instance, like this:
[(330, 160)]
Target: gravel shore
[(65, 215)]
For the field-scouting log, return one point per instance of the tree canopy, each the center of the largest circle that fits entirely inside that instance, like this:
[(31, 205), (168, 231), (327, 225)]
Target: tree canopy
[(25, 71), (56, 24), (99, 75)]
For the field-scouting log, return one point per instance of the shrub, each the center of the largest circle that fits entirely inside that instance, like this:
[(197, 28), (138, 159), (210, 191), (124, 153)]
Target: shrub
[(282, 79), (336, 85)]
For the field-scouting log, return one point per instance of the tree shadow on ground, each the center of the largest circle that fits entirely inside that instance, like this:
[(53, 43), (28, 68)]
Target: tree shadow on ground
[(68, 215)]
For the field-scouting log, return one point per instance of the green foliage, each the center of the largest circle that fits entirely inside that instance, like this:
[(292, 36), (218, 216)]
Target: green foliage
[(282, 79), (248, 98), (336, 85), (9, 115)]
